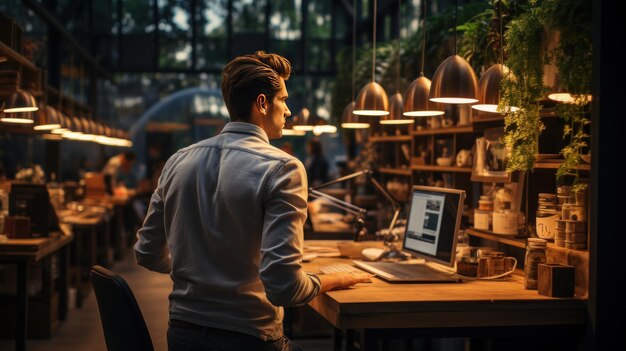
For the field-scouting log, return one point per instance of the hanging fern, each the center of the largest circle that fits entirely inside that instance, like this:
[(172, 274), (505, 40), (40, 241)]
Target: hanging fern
[(523, 88), (573, 58)]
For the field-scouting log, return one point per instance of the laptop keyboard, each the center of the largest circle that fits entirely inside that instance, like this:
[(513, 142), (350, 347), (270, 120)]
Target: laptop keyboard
[(407, 271), (339, 267)]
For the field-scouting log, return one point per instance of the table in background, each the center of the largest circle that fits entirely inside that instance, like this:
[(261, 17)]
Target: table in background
[(23, 251), (472, 308)]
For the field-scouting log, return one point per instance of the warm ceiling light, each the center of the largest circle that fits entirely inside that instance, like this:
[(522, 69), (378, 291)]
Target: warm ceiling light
[(396, 107), (489, 89), (454, 82), (63, 121), (372, 99), (568, 98), (417, 103), (324, 128), (291, 132), (19, 102), (17, 118), (301, 121), (47, 119), (349, 120)]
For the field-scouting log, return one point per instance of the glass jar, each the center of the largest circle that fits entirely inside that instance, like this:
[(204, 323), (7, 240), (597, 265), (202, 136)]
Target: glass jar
[(535, 254), (546, 221)]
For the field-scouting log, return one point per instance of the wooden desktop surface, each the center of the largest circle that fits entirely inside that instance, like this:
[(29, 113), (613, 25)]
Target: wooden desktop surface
[(32, 248), (468, 304)]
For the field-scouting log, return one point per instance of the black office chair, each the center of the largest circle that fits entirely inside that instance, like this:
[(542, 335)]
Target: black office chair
[(122, 321)]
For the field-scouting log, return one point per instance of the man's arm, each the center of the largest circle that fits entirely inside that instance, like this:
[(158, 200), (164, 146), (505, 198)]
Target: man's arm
[(151, 248), (281, 270)]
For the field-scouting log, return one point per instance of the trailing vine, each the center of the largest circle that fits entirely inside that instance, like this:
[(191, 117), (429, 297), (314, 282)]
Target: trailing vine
[(573, 58), (523, 87)]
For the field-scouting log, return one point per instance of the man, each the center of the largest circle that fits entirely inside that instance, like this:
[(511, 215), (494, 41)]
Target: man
[(226, 222), (117, 171)]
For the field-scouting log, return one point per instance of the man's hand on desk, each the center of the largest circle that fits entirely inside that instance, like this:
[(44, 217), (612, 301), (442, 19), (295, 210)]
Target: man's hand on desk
[(342, 280)]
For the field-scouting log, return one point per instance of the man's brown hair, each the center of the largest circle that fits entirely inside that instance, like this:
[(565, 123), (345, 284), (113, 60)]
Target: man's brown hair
[(245, 77)]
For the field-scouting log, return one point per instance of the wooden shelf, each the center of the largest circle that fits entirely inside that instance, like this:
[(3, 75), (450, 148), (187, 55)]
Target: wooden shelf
[(15, 56), (518, 242), (435, 168), (377, 139), (557, 163), (450, 130), (395, 171), (495, 117), (508, 240)]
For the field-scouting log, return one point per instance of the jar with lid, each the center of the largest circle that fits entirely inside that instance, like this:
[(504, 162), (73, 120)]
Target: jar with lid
[(547, 215), (535, 254)]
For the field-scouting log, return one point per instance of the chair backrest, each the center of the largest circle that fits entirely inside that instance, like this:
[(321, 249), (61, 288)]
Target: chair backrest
[(122, 321)]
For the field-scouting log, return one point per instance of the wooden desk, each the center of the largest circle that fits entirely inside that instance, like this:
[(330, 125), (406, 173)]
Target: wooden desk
[(23, 251), (463, 309), (91, 246)]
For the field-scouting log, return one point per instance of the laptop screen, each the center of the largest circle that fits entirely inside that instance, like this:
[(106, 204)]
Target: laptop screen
[(433, 221)]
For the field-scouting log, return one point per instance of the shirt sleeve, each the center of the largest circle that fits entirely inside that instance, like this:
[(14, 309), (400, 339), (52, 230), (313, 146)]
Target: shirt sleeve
[(151, 249), (284, 279)]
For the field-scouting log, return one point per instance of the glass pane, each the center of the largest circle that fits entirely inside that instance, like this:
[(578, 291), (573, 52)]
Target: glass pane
[(249, 16), (174, 34), (285, 20), (137, 17), (319, 20), (212, 45)]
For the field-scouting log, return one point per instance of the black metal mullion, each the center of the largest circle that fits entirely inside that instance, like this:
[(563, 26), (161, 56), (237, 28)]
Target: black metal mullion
[(119, 34), (229, 29), (268, 14), (194, 33), (155, 19)]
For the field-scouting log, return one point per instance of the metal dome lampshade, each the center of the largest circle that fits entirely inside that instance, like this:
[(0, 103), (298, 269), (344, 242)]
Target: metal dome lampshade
[(288, 130), (20, 101), (489, 89), (62, 119), (351, 121), (454, 82), (417, 103), (396, 107), (47, 119), (301, 121), (372, 101)]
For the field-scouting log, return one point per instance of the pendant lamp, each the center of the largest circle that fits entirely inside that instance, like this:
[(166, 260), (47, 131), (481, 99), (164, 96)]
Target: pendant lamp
[(489, 84), (301, 121), (348, 119), (396, 105), (454, 81), (47, 119), (396, 108), (417, 103), (20, 101), (288, 129), (372, 99)]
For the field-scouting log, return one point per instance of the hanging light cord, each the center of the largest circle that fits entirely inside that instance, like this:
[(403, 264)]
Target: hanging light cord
[(501, 36), (456, 9), (423, 39), (374, 44), (353, 49), (398, 44)]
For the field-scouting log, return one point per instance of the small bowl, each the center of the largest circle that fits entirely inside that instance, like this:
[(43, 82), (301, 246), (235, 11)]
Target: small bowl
[(444, 161)]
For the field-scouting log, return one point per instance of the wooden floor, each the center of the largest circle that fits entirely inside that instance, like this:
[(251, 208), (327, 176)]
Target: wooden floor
[(83, 331)]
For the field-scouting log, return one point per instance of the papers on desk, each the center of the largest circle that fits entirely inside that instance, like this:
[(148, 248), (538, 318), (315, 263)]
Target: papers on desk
[(322, 251)]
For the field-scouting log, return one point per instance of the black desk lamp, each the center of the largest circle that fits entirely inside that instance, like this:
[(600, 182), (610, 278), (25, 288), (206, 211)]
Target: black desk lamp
[(359, 231)]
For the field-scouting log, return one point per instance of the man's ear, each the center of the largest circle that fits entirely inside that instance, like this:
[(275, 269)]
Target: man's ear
[(261, 103)]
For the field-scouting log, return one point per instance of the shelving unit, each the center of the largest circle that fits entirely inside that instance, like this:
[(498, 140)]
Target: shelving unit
[(395, 171), (389, 138), (449, 130), (435, 168)]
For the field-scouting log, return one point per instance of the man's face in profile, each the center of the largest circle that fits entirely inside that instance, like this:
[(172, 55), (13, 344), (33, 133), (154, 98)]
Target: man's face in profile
[(277, 113)]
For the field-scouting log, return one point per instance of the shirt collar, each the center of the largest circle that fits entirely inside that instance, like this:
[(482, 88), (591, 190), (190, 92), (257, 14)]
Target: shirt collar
[(246, 128)]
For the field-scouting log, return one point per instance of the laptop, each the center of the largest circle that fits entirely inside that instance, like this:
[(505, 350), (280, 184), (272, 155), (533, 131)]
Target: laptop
[(432, 225)]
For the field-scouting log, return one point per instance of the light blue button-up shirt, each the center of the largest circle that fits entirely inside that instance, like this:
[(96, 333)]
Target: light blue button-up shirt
[(226, 222)]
